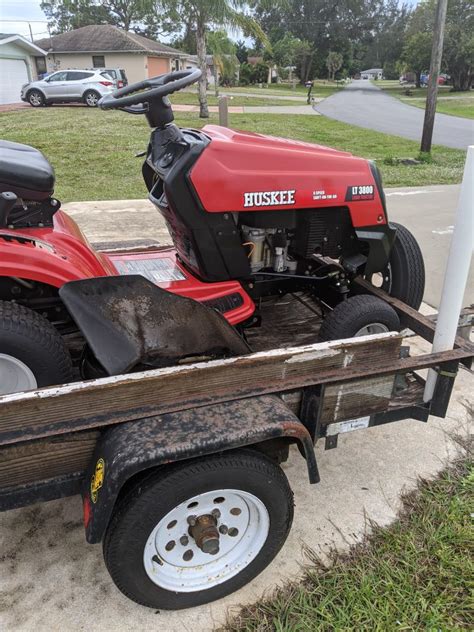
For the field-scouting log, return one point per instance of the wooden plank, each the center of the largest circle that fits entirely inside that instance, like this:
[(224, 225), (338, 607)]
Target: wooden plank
[(349, 400), (46, 458), (96, 403)]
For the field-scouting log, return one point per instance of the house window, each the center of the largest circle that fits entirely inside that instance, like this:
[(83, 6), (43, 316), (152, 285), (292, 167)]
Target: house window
[(98, 61), (176, 64), (40, 65)]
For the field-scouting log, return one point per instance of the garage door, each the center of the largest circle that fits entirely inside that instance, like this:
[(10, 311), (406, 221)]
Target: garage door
[(13, 75)]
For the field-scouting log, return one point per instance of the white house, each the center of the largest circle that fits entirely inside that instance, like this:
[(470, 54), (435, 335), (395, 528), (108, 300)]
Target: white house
[(17, 65), (372, 73)]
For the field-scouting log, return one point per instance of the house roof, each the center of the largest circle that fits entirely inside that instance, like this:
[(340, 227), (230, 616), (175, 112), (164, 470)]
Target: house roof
[(19, 40), (105, 38), (372, 70)]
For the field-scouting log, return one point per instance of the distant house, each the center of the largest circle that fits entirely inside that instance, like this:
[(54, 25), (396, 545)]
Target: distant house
[(17, 65), (372, 73), (107, 46), (211, 70)]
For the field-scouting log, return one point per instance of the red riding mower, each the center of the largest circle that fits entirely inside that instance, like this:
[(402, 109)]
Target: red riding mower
[(250, 217)]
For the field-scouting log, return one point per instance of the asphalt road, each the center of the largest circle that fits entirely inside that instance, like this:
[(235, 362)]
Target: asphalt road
[(429, 212), (363, 104)]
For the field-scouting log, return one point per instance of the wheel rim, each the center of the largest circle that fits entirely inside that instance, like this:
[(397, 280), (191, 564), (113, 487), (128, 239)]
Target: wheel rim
[(15, 375), (372, 328), (35, 98), (92, 99), (174, 561), (383, 279)]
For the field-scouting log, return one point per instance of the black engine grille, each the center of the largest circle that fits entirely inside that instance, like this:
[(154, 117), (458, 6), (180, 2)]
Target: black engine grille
[(328, 232)]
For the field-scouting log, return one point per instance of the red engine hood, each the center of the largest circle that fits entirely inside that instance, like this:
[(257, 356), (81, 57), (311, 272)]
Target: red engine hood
[(299, 174)]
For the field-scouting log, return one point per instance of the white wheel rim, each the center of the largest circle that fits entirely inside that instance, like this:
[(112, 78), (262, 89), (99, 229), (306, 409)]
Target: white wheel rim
[(239, 510), (373, 328), (15, 376)]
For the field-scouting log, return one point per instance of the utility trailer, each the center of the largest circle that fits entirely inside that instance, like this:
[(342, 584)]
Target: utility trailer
[(179, 467)]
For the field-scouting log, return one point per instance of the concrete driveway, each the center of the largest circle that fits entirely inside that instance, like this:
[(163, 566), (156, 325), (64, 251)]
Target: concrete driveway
[(50, 579), (363, 104)]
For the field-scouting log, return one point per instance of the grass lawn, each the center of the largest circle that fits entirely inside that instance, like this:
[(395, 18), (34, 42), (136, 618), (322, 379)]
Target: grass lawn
[(413, 575), (321, 89), (458, 103), (455, 107), (190, 98), (93, 152)]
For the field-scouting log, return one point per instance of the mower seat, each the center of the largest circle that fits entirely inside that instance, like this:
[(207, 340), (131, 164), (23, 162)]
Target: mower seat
[(25, 171)]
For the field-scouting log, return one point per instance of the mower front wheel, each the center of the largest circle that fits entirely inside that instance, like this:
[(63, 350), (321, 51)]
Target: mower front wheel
[(32, 352), (359, 315), (404, 275)]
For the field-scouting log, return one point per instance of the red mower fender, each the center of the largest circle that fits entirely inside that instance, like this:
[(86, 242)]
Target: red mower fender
[(52, 256)]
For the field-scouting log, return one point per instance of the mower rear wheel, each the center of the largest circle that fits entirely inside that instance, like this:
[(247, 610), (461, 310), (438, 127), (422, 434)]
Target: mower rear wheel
[(32, 352), (404, 275), (359, 315)]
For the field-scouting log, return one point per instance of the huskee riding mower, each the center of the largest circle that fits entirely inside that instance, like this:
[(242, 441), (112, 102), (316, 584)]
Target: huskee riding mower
[(252, 218)]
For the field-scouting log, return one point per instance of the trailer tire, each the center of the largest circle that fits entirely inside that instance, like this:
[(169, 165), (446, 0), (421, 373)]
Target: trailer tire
[(149, 538), (32, 352), (359, 315)]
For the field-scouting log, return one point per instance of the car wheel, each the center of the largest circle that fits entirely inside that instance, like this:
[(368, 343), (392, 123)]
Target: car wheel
[(32, 352), (196, 532), (91, 98), (36, 98), (359, 315)]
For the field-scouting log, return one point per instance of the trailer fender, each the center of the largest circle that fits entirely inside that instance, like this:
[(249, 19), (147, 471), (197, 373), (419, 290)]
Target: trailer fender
[(133, 447)]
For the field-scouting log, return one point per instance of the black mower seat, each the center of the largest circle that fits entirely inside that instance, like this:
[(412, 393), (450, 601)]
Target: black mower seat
[(25, 171)]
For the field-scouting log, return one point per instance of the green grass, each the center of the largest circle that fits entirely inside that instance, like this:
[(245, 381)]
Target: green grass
[(321, 89), (455, 107), (93, 151), (190, 98), (417, 574), (458, 103)]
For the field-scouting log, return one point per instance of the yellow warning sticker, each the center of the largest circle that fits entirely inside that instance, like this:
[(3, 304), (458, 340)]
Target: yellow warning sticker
[(97, 479)]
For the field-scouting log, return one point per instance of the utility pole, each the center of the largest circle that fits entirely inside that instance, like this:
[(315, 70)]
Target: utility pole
[(435, 65)]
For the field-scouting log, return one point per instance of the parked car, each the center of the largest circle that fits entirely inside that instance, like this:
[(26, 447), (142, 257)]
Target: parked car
[(69, 86), (117, 74)]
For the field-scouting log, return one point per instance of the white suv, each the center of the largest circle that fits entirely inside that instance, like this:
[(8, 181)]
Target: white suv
[(69, 86)]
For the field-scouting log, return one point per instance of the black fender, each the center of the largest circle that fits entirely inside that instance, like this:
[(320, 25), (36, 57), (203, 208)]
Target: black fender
[(380, 241), (131, 448)]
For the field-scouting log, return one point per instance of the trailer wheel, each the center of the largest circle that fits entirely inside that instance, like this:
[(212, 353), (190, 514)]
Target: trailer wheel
[(404, 275), (198, 531), (359, 315), (32, 352)]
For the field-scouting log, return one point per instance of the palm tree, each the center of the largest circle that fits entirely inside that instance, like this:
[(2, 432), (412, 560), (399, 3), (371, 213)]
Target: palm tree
[(202, 14)]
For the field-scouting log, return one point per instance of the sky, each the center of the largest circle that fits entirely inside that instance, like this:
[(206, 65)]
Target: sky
[(15, 14)]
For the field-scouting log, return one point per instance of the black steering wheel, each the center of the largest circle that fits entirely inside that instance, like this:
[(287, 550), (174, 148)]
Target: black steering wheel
[(147, 97)]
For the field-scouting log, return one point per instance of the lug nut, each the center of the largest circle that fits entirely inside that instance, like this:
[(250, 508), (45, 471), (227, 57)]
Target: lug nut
[(192, 521), (216, 513)]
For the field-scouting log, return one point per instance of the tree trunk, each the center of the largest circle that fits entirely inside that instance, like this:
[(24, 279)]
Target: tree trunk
[(418, 79), (201, 55)]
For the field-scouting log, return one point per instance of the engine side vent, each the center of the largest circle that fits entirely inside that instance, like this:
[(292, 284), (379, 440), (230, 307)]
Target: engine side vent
[(327, 231)]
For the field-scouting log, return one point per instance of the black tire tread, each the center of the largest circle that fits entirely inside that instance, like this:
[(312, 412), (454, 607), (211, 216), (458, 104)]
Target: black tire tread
[(171, 477), (406, 246), (339, 323), (18, 319)]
